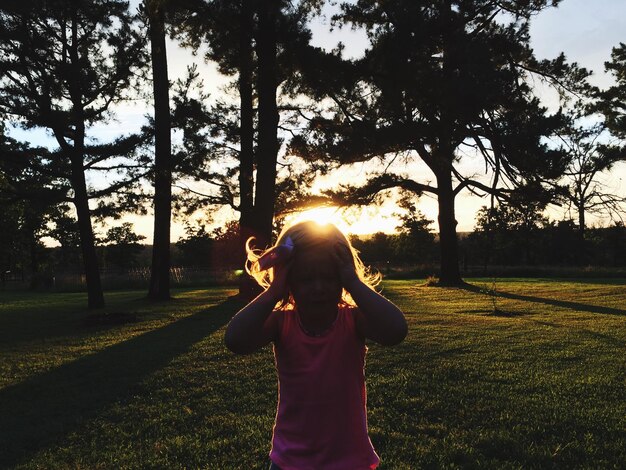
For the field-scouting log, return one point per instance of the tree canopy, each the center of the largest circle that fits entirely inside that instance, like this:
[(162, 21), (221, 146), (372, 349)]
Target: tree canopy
[(441, 80), (445, 99)]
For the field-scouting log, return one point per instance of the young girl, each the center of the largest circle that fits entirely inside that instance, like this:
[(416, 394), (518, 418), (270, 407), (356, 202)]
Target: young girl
[(318, 308)]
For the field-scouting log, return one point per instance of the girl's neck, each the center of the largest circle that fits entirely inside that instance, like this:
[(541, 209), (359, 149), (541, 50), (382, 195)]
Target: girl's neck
[(317, 321)]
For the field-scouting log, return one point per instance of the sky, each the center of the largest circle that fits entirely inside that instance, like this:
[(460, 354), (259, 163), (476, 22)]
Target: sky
[(584, 30)]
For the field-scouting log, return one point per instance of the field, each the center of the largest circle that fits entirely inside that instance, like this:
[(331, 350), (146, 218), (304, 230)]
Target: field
[(515, 374)]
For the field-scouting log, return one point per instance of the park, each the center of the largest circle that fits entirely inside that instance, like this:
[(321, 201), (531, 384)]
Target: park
[(538, 384), (470, 153)]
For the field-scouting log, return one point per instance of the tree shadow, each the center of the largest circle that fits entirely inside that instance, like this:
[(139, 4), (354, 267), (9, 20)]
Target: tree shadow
[(42, 409), (497, 312), (44, 322), (611, 340), (577, 306)]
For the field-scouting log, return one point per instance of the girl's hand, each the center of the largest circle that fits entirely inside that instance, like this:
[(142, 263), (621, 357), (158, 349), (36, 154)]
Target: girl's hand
[(345, 265)]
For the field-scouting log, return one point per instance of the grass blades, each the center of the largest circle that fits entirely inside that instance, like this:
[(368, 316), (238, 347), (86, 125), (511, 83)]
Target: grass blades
[(539, 381)]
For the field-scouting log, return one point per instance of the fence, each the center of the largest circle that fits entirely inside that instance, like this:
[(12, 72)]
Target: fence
[(136, 278)]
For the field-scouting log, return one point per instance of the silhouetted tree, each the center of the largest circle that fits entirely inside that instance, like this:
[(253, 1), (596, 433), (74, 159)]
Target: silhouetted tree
[(160, 271), (30, 192), (613, 100), (62, 65), (508, 233), (196, 246), (589, 159), (255, 42), (415, 241), (440, 80), (122, 246), (66, 232)]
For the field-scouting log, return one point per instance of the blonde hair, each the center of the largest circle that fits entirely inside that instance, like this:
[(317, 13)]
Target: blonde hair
[(305, 235)]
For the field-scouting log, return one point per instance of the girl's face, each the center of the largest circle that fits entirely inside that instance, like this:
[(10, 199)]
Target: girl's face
[(314, 279)]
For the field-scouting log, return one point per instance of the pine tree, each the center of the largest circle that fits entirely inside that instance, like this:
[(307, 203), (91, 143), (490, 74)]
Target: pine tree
[(63, 65), (440, 79), (160, 271), (255, 42)]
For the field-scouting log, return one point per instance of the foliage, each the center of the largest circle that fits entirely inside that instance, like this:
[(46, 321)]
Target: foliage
[(612, 101), (212, 151), (589, 159), (64, 230), (30, 192), (439, 81), (195, 247), (121, 246), (413, 244), (218, 248), (506, 237), (63, 65)]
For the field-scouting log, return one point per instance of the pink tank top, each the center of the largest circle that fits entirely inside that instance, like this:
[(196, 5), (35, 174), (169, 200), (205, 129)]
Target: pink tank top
[(321, 422)]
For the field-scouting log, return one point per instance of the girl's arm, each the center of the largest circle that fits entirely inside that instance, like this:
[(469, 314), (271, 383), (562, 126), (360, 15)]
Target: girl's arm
[(380, 320), (256, 325)]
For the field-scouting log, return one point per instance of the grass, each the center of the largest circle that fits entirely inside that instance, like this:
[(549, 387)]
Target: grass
[(539, 381)]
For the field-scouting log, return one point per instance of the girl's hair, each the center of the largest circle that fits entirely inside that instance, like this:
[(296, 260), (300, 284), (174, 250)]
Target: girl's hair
[(305, 235)]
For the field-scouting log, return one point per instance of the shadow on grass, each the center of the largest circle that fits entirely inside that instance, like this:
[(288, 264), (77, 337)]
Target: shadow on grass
[(555, 303), (42, 409), (38, 319), (494, 312), (611, 340)]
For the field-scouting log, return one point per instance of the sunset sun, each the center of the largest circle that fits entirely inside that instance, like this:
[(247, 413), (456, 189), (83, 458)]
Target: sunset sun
[(358, 221)]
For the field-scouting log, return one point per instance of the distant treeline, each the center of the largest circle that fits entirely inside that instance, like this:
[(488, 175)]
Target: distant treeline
[(558, 244), (414, 249)]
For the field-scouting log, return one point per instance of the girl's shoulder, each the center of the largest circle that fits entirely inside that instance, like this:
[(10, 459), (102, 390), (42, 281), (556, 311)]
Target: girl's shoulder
[(351, 310), (277, 319)]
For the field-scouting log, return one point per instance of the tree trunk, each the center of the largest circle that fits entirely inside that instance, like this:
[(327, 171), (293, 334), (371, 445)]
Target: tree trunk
[(268, 123), (160, 272), (582, 252), (33, 248), (95, 297), (581, 220), (444, 156), (448, 243), (248, 288)]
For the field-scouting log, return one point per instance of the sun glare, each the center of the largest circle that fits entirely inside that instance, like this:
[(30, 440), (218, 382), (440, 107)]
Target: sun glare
[(321, 215), (358, 222)]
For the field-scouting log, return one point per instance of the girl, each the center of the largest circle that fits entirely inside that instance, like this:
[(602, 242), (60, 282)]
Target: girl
[(318, 308)]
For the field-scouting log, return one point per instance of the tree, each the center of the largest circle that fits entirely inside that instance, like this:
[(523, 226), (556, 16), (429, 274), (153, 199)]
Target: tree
[(196, 247), (253, 41), (63, 64), (508, 233), (440, 80), (66, 232), (29, 196), (588, 159), (122, 245), (415, 241), (612, 101), (160, 272)]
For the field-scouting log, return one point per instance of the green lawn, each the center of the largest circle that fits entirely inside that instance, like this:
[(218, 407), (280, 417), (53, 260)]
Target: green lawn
[(539, 382)]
